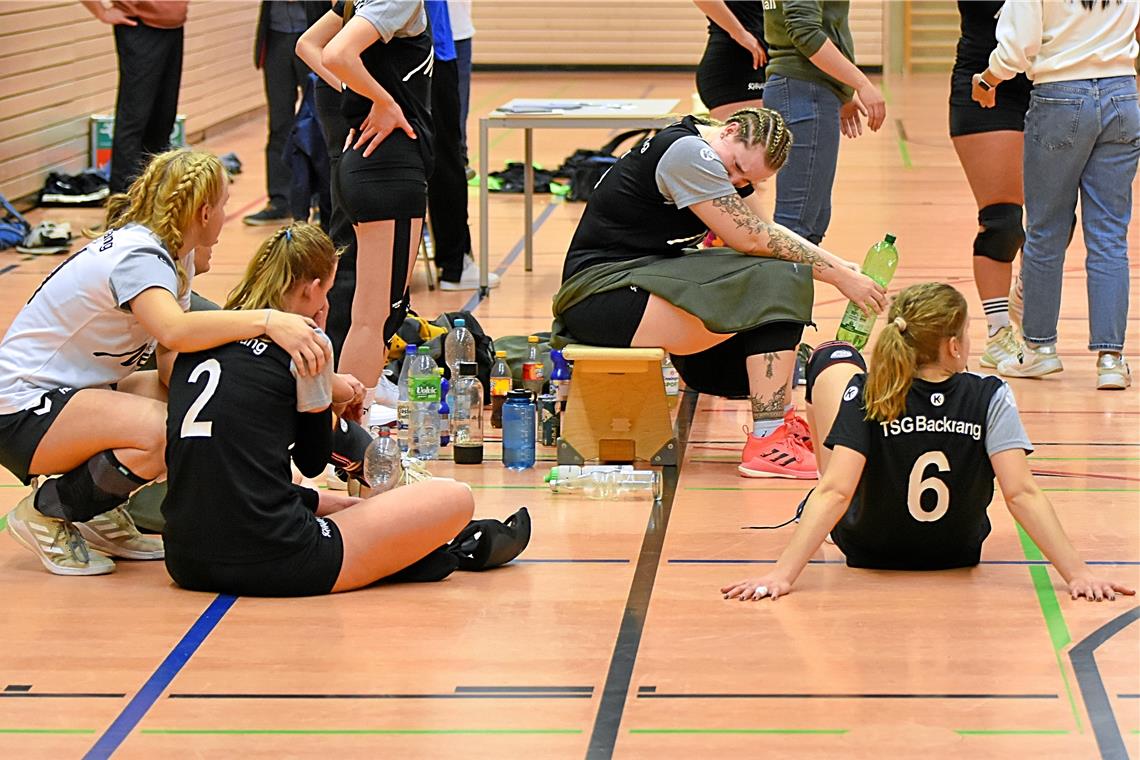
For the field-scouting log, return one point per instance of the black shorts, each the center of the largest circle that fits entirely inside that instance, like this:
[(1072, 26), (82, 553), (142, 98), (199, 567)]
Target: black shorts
[(725, 74), (389, 184), (969, 118), (313, 571), (871, 553), (607, 319), (21, 432), (828, 354), (722, 370)]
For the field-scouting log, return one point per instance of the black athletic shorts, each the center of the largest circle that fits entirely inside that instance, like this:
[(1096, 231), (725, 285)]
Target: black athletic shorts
[(969, 118), (310, 572), (857, 551), (389, 184), (725, 74), (607, 319), (828, 354), (21, 432)]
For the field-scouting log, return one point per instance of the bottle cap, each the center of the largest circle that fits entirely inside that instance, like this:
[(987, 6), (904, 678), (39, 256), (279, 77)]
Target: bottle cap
[(889, 238), (467, 369), (410, 349), (519, 394), (423, 350), (500, 354), (532, 339), (460, 322), (551, 476)]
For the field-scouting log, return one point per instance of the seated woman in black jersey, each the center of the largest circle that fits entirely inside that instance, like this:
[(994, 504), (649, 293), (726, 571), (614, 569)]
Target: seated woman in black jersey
[(914, 447), (380, 53), (235, 522), (631, 278)]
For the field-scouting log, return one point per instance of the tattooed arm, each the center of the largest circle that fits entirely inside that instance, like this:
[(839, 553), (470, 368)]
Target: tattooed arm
[(742, 229)]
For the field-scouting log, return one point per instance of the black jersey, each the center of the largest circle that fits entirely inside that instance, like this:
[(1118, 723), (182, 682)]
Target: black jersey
[(627, 216), (231, 420), (922, 499), (750, 14), (977, 40)]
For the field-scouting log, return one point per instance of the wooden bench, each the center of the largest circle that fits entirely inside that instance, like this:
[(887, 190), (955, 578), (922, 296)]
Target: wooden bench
[(617, 410)]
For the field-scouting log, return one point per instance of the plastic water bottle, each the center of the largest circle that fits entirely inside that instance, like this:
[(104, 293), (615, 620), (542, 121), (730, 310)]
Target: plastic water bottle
[(467, 416), (423, 392), (382, 463), (458, 346), (559, 379), (571, 471), (880, 264), (444, 410), (611, 485), (671, 377), (533, 373), (403, 404), (518, 430), (501, 382)]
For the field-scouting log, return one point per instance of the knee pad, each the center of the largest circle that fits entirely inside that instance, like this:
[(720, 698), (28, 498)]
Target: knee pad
[(349, 442), (1002, 234)]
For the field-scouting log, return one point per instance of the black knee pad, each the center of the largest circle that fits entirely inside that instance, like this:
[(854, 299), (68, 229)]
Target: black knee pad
[(1002, 234), (349, 441)]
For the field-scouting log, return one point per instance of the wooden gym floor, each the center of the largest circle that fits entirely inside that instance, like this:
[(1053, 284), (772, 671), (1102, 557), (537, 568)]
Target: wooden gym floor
[(608, 637)]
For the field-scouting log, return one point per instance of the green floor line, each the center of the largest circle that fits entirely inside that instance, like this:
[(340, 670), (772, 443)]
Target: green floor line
[(47, 730), (1091, 490), (3, 522), (362, 731), (808, 731), (740, 488), (1011, 732), (905, 153), (1051, 609), (508, 488), (1084, 459)]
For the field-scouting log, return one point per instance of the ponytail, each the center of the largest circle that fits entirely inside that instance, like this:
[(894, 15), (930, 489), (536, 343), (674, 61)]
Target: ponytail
[(297, 253)]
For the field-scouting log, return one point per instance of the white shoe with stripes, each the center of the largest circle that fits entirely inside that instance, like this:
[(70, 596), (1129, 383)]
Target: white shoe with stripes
[(57, 543), (115, 533)]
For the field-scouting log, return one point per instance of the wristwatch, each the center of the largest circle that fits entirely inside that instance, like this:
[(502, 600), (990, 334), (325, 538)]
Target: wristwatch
[(983, 83)]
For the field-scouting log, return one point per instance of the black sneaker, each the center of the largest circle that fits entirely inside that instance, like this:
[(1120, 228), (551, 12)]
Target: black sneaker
[(270, 215), (84, 189)]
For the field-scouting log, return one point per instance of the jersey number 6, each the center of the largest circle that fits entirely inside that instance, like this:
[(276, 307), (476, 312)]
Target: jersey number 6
[(191, 426), (916, 486)]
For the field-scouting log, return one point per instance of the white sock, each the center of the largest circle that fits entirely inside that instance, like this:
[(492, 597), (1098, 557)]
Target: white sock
[(997, 313), (765, 428)]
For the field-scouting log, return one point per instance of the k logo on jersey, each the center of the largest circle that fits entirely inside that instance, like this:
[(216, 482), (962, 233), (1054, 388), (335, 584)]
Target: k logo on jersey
[(709, 154), (851, 392), (937, 399)]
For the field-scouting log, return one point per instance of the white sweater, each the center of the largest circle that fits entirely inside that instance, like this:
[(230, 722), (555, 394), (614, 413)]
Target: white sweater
[(1061, 40)]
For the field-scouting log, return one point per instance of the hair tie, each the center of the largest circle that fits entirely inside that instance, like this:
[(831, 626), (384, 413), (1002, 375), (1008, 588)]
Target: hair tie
[(900, 323), (289, 234)]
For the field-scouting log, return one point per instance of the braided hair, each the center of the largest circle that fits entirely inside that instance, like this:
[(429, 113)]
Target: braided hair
[(167, 195), (298, 253), (763, 127)]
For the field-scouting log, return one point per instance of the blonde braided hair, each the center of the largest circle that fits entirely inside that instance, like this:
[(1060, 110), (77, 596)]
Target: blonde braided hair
[(761, 126), (166, 196), (298, 253)]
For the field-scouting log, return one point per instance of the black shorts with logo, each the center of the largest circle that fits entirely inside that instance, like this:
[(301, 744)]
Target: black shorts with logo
[(725, 74), (21, 432), (828, 354)]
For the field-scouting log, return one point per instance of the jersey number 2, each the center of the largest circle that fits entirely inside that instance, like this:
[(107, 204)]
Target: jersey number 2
[(916, 486), (192, 427)]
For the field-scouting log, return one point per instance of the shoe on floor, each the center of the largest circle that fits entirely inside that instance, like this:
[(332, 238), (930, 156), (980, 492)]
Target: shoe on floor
[(783, 454), (270, 215), (57, 543), (47, 239), (1112, 373), (1032, 362), (469, 280), (413, 470), (1003, 345), (115, 533)]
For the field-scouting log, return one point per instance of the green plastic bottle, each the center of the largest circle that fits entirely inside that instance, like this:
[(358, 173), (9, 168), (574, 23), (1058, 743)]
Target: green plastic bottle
[(880, 265)]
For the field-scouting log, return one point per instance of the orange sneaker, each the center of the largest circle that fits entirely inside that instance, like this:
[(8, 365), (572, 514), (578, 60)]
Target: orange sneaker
[(783, 454), (798, 427)]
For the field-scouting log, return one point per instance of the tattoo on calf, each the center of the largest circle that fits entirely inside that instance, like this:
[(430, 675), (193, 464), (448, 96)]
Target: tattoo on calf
[(771, 408), (771, 359), (781, 245)]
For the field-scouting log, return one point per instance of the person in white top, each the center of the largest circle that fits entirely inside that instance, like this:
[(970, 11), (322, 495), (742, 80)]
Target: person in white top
[(1082, 137), (70, 400)]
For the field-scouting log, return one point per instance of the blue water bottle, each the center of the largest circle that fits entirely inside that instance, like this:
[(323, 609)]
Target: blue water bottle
[(518, 430)]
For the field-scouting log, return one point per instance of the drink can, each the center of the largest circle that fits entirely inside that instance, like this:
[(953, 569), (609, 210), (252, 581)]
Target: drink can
[(549, 420)]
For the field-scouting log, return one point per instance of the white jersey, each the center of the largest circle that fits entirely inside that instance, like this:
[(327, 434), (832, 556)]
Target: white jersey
[(77, 330)]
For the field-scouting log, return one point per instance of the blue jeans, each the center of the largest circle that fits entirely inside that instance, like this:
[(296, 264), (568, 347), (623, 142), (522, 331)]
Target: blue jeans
[(1081, 137), (463, 60), (803, 186)]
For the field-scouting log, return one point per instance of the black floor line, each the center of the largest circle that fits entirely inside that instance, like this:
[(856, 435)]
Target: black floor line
[(368, 696), (1099, 706), (608, 720), (808, 695)]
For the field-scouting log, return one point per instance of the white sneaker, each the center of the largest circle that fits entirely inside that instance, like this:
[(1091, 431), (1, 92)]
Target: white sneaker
[(333, 481), (469, 280), (1112, 373), (1003, 345), (116, 534), (56, 543), (414, 470), (1016, 302), (1033, 362)]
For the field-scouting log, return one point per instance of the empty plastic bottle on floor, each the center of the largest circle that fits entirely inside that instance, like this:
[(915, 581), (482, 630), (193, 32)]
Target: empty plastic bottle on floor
[(533, 373), (458, 346), (403, 403), (501, 382), (382, 462), (423, 392), (630, 484), (571, 471), (880, 265), (467, 416)]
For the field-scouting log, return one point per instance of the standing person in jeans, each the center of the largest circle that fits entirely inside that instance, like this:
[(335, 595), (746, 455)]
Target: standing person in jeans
[(1082, 136), (279, 25), (813, 82), (463, 33), (148, 42)]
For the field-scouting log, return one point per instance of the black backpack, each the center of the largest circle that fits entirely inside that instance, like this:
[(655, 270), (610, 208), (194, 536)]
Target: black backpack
[(585, 168)]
